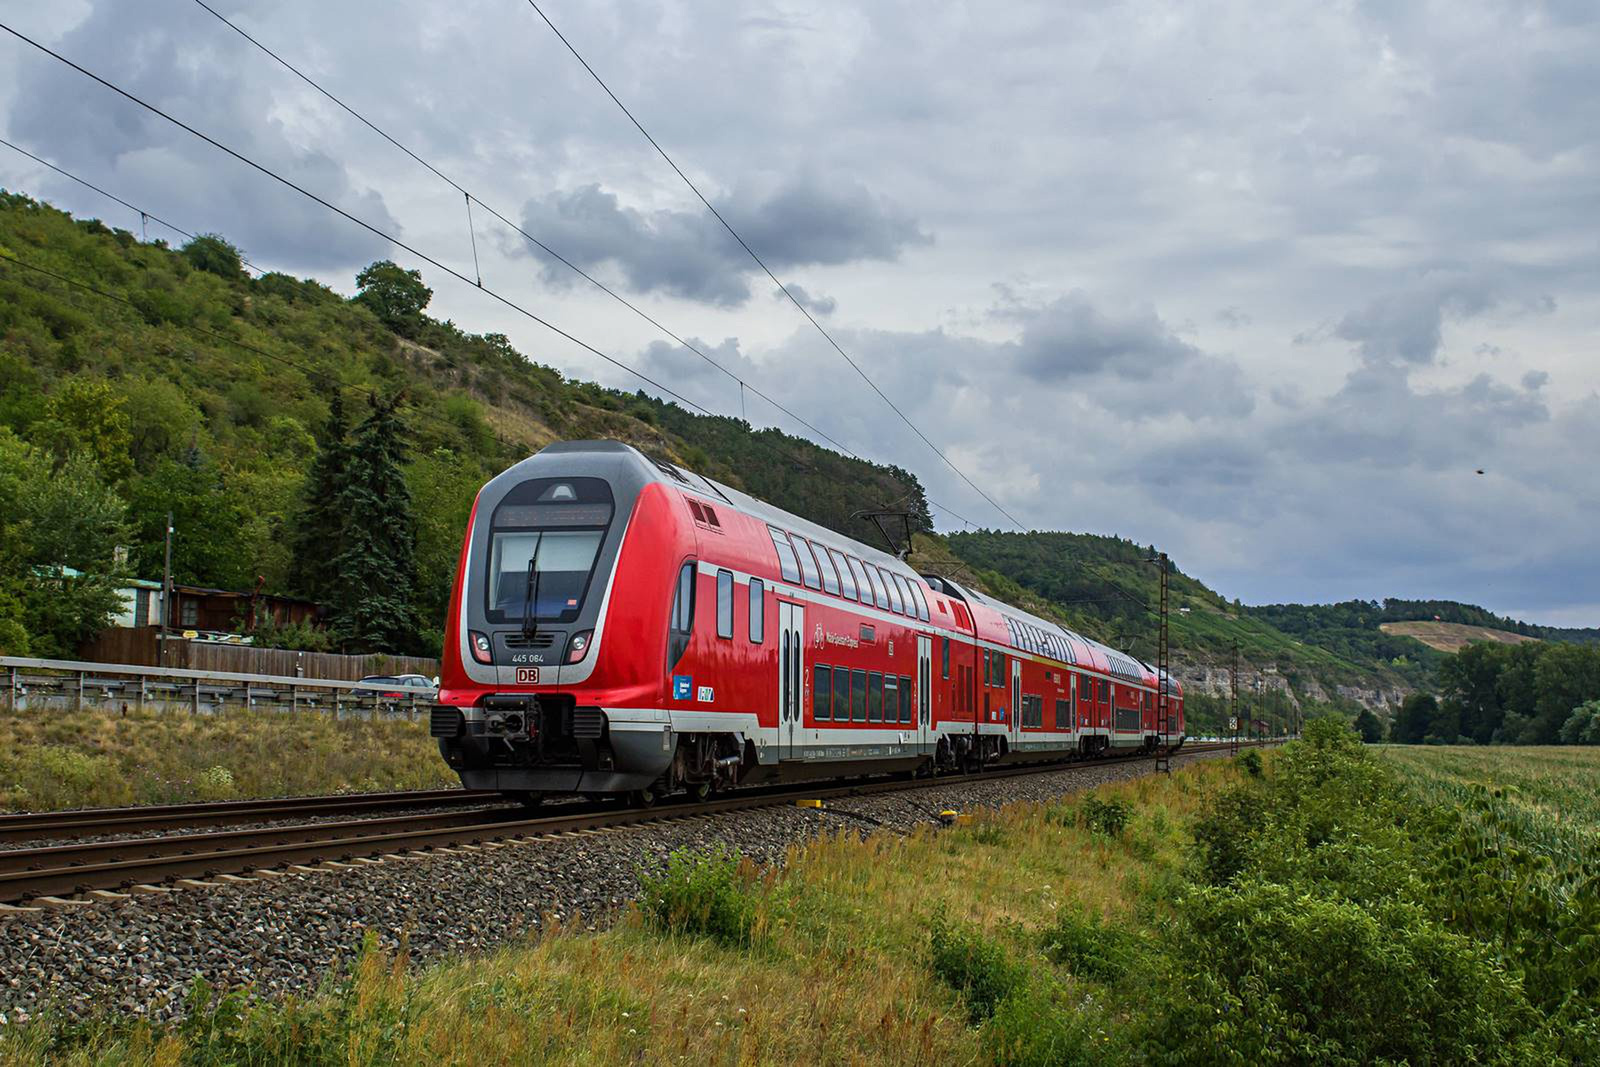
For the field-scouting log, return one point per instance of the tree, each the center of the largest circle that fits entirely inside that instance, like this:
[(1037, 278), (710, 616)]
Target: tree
[(210, 546), (1583, 725), (319, 535), (86, 415), (58, 532), (210, 253), (1565, 677), (375, 571), (395, 295), (1368, 726), (1415, 719)]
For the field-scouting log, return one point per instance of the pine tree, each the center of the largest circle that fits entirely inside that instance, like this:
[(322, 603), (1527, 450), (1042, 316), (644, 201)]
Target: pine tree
[(375, 570), (320, 535)]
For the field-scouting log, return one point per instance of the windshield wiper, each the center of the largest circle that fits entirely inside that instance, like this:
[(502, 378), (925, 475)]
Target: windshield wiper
[(530, 594)]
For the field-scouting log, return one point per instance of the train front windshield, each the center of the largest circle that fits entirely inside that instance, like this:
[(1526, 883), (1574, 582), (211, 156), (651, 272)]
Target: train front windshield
[(543, 542)]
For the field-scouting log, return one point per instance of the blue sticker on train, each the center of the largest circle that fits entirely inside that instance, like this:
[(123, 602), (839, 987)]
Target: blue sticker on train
[(682, 686)]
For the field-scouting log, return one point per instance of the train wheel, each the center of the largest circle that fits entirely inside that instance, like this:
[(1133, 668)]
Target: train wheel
[(642, 798), (701, 792)]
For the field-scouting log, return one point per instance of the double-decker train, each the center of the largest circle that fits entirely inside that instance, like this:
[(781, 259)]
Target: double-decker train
[(623, 625)]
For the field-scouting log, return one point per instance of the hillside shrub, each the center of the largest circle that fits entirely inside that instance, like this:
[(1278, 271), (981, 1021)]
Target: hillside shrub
[(1275, 974), (1107, 818), (1250, 763), (1225, 832), (703, 895), (1088, 947), (1036, 1026), (974, 965)]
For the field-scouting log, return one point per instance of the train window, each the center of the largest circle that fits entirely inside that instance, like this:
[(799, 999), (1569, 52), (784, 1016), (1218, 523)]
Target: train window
[(808, 566), (830, 577), (821, 693), (1105, 691), (875, 697), (922, 603), (758, 610), (999, 670), (1063, 715), (890, 700), (841, 694), (725, 604), (905, 593), (905, 699), (847, 580), (863, 590), (897, 603), (944, 657), (788, 564), (879, 597), (682, 621), (858, 696)]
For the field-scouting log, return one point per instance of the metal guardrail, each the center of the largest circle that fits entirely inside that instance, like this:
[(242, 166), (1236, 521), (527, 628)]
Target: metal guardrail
[(37, 684)]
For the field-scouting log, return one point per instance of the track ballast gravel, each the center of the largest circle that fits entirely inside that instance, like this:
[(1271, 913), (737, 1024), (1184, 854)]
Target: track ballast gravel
[(281, 935)]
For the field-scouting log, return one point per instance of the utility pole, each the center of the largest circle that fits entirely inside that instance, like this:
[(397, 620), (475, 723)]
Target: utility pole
[(1163, 677), (166, 595), (1233, 686)]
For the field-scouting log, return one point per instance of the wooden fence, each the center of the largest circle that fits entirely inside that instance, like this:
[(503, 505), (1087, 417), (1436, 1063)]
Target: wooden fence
[(140, 646)]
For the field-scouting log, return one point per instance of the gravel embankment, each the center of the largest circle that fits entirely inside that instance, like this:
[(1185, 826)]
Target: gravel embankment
[(282, 934)]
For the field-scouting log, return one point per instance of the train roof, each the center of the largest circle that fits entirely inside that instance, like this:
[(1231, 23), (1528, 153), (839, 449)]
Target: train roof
[(1068, 646)]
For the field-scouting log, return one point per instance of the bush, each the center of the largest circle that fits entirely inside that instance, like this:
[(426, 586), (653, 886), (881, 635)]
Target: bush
[(701, 895), (1281, 975), (1108, 818), (1225, 832), (1088, 947), (1250, 763), (973, 965), (1034, 1027)]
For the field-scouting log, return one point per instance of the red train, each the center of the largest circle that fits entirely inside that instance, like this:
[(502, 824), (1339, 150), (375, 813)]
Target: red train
[(624, 625)]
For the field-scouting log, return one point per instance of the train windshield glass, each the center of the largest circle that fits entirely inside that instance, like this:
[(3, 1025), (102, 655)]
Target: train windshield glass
[(543, 543)]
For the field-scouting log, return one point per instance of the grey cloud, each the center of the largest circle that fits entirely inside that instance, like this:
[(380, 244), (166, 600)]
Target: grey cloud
[(687, 253), (817, 304), (63, 116), (1071, 336), (1406, 326)]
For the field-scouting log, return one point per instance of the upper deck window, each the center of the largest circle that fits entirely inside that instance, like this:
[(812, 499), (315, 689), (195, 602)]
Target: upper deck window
[(895, 603), (788, 562), (847, 581), (830, 577), (808, 565)]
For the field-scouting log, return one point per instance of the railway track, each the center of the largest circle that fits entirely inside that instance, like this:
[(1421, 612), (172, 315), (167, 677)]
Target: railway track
[(94, 822), (61, 870)]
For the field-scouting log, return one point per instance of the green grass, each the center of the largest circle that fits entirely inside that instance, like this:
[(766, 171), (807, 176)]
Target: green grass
[(73, 759), (1336, 920)]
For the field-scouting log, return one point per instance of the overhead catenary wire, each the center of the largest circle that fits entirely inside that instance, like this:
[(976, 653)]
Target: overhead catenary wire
[(268, 172), (141, 212), (536, 242), (768, 271), (369, 227)]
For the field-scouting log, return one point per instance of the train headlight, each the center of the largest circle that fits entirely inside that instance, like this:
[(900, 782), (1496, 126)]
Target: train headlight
[(482, 650), (578, 646)]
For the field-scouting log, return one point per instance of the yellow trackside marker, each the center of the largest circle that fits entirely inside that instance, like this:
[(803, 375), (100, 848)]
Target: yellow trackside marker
[(808, 804)]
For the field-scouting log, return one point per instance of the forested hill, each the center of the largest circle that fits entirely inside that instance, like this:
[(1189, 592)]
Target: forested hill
[(188, 385), (138, 379)]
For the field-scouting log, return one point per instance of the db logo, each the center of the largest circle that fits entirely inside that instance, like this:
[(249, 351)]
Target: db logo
[(819, 635), (527, 675)]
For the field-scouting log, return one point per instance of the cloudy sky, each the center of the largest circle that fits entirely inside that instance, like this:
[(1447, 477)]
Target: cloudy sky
[(1264, 284)]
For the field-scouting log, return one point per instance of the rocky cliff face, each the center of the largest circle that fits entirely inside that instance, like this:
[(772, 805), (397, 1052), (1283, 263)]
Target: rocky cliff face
[(1215, 680)]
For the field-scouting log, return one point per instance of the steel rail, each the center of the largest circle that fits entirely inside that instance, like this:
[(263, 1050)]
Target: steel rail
[(84, 822), (27, 874)]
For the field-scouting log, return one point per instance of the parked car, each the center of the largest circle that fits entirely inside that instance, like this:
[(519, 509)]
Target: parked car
[(400, 686)]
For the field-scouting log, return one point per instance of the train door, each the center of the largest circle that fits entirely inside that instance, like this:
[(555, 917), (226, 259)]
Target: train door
[(924, 701), (791, 673), (1014, 723)]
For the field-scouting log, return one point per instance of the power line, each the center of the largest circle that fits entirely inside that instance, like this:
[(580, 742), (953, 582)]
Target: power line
[(369, 227), (141, 212), (760, 263), (543, 247)]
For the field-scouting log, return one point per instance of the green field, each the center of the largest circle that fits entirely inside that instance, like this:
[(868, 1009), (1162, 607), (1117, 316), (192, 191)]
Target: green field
[(1329, 903)]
